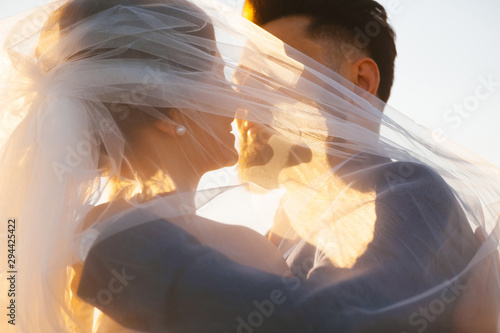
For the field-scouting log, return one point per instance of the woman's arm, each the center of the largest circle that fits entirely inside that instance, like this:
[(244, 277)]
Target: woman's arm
[(156, 277), (240, 244)]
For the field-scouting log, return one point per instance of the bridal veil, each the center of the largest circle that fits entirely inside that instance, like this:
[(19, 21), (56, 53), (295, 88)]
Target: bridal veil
[(329, 157)]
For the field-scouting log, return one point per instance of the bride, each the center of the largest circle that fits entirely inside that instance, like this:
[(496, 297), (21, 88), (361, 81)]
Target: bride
[(114, 110), (132, 114)]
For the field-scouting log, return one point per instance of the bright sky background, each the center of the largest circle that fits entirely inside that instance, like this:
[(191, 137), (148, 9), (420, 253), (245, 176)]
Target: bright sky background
[(445, 48)]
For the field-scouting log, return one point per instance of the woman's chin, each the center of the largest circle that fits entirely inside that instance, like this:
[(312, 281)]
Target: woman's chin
[(229, 155), (224, 158), (231, 158)]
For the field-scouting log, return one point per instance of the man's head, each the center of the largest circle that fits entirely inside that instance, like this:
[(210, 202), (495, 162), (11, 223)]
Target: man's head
[(336, 33), (351, 37)]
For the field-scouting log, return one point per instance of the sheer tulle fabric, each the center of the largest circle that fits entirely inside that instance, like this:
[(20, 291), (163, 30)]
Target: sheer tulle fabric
[(72, 93)]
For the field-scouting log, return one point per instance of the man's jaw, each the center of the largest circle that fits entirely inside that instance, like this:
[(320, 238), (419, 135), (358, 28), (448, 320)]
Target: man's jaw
[(264, 154)]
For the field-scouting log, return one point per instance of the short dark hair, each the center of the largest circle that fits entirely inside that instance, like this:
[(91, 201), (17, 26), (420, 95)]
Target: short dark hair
[(347, 20)]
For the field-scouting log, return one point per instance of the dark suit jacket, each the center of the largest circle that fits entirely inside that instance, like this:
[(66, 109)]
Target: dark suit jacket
[(156, 277)]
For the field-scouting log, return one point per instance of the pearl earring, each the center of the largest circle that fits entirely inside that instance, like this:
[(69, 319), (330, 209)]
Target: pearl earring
[(180, 130)]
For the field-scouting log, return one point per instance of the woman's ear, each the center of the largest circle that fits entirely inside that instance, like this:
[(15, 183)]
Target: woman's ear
[(170, 127), (166, 127), (366, 75)]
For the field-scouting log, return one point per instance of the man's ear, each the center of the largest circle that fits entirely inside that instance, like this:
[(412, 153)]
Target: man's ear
[(366, 75)]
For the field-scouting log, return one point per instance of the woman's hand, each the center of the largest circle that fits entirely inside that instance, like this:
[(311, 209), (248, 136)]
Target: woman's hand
[(478, 309)]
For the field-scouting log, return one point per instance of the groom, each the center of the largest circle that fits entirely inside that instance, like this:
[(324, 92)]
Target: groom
[(354, 39), (360, 47), (197, 290)]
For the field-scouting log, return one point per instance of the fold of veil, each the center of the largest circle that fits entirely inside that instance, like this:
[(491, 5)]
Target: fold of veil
[(74, 91)]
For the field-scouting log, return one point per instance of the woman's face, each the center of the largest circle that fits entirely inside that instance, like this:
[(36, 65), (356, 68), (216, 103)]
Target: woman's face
[(209, 143)]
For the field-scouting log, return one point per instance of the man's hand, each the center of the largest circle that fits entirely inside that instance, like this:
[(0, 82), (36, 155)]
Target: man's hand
[(478, 309)]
